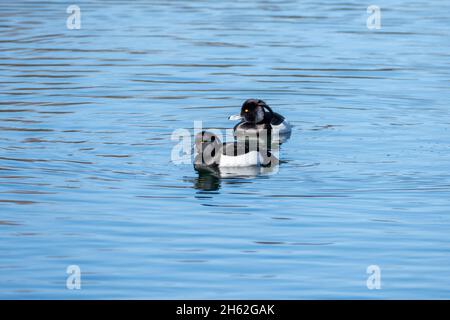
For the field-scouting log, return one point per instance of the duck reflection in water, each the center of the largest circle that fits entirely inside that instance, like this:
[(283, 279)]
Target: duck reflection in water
[(211, 178)]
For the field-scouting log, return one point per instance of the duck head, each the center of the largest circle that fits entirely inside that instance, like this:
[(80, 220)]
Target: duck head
[(207, 146), (252, 111)]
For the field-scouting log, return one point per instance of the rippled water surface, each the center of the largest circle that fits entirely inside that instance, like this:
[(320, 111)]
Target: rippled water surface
[(86, 176)]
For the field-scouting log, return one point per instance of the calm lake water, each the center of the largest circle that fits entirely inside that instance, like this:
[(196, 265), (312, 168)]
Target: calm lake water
[(86, 176)]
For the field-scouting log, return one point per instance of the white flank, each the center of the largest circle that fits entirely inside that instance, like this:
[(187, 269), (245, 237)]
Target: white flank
[(281, 132), (248, 159), (283, 128)]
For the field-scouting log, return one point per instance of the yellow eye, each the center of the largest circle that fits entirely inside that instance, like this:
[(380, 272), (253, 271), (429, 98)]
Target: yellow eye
[(246, 110)]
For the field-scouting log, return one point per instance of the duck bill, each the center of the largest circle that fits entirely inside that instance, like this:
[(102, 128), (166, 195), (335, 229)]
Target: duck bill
[(235, 117)]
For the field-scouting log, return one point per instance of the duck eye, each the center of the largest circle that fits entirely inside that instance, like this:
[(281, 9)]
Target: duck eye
[(246, 110)]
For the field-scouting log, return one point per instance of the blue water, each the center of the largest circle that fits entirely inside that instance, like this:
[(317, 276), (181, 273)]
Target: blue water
[(86, 176)]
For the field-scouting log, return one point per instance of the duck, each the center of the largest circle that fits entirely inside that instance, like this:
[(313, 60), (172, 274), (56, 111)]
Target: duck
[(210, 152), (256, 116)]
